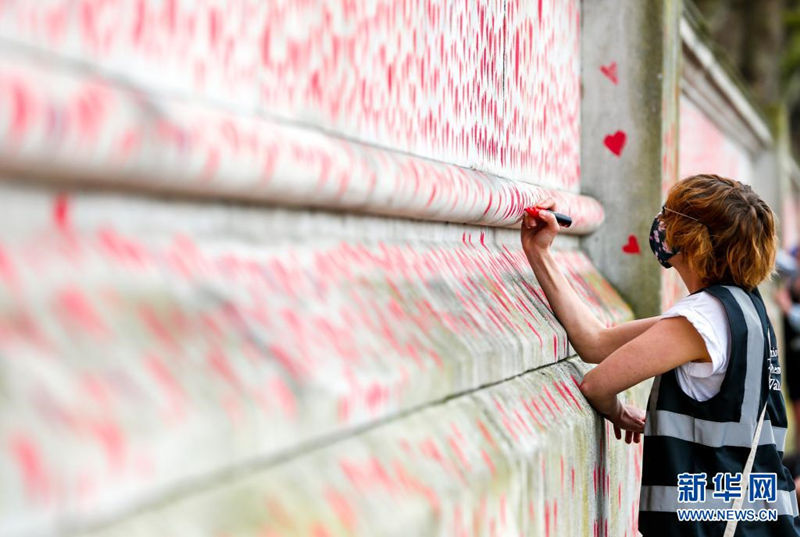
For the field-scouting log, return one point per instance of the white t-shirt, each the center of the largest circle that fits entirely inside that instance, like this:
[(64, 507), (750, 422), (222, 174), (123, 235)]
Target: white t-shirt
[(702, 380)]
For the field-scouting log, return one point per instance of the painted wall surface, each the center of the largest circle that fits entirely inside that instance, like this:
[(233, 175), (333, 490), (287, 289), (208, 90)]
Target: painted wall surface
[(491, 84), (60, 124), (255, 276), (705, 148), (144, 356)]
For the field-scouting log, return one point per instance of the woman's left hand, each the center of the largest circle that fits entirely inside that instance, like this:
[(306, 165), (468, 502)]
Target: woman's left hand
[(632, 420)]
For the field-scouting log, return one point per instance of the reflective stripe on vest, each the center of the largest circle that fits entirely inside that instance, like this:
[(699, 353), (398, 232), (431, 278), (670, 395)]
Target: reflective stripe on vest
[(715, 433)]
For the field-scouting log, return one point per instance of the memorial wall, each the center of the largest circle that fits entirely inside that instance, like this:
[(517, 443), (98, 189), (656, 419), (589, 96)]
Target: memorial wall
[(260, 270)]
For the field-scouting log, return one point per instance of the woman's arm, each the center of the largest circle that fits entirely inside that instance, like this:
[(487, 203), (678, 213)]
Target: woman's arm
[(610, 339), (583, 328), (653, 345), (667, 344), (592, 341)]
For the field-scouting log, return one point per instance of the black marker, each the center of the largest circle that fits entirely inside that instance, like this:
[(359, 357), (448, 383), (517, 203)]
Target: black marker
[(562, 219)]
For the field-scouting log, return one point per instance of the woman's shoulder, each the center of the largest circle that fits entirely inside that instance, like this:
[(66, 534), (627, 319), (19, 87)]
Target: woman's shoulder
[(703, 302), (702, 309), (707, 314)]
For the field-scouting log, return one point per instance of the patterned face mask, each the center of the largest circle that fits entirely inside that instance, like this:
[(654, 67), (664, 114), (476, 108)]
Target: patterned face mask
[(658, 241)]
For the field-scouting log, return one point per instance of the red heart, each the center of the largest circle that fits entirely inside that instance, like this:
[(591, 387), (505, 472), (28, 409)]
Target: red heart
[(615, 142), (633, 245), (610, 71)]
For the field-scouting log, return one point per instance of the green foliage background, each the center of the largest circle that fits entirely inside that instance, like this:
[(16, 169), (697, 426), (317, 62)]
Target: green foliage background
[(761, 39)]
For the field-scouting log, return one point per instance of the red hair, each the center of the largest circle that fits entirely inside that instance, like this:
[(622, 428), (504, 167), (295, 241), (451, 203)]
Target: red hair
[(734, 240)]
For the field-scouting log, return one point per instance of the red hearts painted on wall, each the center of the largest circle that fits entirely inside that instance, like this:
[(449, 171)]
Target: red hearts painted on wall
[(615, 142), (632, 247), (610, 71)]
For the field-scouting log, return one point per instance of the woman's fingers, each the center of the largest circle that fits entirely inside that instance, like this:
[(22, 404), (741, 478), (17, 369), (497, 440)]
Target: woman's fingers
[(630, 436), (636, 427), (632, 421), (633, 432), (551, 221)]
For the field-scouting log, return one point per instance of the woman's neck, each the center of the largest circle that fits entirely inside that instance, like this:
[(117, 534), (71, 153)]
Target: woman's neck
[(692, 281)]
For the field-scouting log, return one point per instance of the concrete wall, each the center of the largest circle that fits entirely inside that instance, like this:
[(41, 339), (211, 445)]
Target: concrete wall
[(629, 136), (260, 272)]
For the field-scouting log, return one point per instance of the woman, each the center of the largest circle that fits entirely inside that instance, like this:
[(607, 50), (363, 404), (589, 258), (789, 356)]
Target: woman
[(713, 356)]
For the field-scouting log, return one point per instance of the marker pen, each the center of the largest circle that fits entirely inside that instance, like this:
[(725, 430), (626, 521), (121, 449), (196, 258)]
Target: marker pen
[(562, 219)]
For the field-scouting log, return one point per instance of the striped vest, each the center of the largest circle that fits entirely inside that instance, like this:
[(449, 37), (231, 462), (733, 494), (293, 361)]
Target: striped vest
[(690, 437)]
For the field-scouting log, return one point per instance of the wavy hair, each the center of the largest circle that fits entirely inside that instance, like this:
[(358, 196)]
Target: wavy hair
[(733, 241)]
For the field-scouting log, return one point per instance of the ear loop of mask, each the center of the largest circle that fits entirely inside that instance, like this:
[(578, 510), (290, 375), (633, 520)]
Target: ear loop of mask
[(708, 229), (665, 208)]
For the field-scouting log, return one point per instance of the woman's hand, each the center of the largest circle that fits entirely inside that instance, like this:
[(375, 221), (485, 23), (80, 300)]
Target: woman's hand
[(537, 233), (631, 419)]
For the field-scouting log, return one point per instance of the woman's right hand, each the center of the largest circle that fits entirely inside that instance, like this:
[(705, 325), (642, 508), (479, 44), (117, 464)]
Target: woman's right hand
[(631, 419), (537, 233)]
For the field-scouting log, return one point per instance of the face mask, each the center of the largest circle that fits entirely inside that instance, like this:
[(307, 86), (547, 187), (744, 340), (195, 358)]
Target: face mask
[(658, 242)]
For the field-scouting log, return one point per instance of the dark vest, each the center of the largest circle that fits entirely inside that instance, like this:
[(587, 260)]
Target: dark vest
[(686, 436)]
